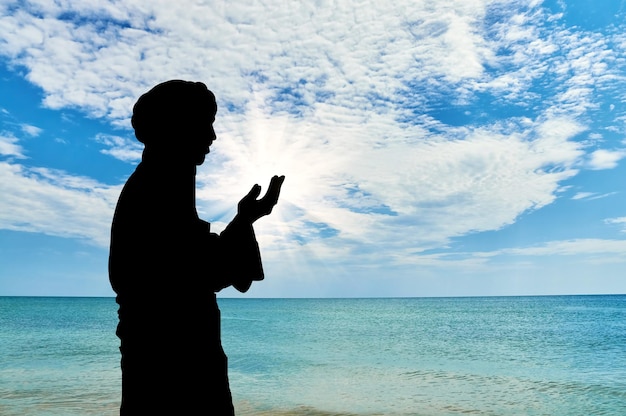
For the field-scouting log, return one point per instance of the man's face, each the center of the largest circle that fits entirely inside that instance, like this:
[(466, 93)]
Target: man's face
[(202, 137)]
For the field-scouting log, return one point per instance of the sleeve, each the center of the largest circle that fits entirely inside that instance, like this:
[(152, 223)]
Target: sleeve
[(238, 256)]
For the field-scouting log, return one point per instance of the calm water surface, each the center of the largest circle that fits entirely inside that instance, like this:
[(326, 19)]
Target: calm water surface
[(553, 355)]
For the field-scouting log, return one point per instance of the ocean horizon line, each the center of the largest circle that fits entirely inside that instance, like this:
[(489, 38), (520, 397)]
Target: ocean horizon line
[(339, 297)]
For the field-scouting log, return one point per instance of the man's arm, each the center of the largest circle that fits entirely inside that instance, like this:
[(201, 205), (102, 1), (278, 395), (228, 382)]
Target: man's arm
[(239, 250), (240, 256)]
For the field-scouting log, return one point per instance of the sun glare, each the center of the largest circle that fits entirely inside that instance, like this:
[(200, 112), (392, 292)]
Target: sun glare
[(253, 147)]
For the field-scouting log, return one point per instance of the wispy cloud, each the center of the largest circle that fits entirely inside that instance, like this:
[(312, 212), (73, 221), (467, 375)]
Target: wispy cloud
[(56, 203), (620, 221), (122, 148), (30, 130), (591, 195), (586, 249), (9, 146), (575, 247), (399, 126)]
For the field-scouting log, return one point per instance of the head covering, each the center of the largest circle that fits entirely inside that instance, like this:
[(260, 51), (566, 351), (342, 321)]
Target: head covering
[(170, 108)]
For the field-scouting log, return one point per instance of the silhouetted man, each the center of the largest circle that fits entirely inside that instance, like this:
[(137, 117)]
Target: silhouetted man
[(165, 265)]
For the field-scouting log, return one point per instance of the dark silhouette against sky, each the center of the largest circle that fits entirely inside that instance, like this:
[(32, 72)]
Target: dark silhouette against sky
[(166, 265)]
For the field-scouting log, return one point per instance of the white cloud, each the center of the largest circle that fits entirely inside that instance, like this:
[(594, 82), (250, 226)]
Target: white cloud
[(576, 247), (55, 203), (121, 148), (366, 57), (415, 189), (592, 249), (9, 146), (340, 97), (363, 51), (31, 130), (576, 255), (620, 221), (591, 195), (605, 159)]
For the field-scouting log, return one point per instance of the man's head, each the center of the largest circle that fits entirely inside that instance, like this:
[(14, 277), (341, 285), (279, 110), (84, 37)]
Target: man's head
[(176, 118)]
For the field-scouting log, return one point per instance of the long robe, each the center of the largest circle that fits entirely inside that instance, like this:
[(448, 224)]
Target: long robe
[(165, 266)]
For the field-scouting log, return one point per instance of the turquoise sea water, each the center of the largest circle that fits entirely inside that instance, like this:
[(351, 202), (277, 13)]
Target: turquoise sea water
[(553, 355)]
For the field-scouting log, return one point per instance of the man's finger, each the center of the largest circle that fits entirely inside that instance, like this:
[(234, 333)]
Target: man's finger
[(276, 183), (273, 190), (254, 192)]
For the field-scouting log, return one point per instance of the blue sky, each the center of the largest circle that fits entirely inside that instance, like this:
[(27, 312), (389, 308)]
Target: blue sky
[(446, 148)]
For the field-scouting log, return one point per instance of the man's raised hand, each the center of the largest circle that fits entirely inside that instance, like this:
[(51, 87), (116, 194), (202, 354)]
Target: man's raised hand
[(251, 209)]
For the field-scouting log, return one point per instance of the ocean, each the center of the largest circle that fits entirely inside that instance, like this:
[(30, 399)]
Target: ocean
[(544, 355)]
